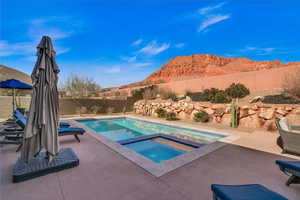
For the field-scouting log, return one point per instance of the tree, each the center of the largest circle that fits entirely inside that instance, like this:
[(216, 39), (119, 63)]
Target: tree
[(237, 90), (78, 86)]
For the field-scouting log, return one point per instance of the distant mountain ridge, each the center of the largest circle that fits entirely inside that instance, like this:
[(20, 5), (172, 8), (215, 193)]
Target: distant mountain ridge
[(10, 73), (206, 65)]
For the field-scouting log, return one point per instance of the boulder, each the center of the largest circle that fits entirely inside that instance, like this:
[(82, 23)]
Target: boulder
[(266, 113), (183, 115), (281, 111), (209, 111), (252, 121), (255, 107), (188, 99), (270, 125), (244, 113), (245, 108), (227, 110), (289, 108), (256, 99), (251, 112), (226, 119), (296, 111)]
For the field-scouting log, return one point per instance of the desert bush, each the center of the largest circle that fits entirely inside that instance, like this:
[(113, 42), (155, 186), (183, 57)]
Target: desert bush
[(161, 113), (81, 110), (291, 84), (150, 93), (138, 94), (173, 96), (209, 94), (201, 116), (171, 116), (110, 110), (220, 97), (237, 90), (95, 109)]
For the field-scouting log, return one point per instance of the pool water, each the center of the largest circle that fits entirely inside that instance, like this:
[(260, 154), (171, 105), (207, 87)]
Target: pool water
[(155, 151), (123, 128)]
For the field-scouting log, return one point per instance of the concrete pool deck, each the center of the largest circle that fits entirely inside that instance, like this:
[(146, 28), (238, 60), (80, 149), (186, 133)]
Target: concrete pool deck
[(106, 174)]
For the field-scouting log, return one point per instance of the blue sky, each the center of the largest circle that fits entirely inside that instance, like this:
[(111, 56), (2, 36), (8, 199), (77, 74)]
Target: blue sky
[(123, 41)]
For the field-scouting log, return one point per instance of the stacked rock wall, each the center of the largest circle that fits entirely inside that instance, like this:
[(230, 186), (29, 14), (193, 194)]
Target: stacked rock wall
[(253, 116)]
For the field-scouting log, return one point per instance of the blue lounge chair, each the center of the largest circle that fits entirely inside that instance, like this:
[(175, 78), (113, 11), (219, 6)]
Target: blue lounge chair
[(18, 114), (21, 121), (244, 192), (292, 169)]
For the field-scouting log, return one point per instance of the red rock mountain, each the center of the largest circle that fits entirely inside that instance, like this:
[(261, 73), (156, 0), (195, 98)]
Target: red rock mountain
[(205, 65)]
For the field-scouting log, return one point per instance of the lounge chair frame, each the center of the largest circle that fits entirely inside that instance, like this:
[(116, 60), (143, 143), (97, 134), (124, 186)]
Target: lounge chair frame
[(294, 176)]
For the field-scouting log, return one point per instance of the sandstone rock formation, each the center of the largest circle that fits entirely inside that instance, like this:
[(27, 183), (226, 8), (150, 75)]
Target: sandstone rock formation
[(206, 65)]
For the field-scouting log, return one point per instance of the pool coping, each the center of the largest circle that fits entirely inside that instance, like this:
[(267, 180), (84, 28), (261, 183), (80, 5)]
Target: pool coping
[(156, 169)]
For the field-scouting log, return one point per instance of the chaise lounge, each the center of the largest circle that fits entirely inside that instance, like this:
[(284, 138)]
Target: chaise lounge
[(290, 136), (244, 192), (292, 169), (62, 131)]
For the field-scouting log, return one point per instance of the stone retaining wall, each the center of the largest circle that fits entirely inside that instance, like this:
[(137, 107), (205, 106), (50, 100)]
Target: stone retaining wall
[(253, 116)]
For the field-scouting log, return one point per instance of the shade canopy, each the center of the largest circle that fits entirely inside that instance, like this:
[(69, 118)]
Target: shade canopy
[(41, 129), (14, 84)]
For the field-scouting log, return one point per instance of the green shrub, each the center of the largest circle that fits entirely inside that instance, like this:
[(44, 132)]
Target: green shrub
[(237, 90), (171, 116), (210, 94), (173, 96), (161, 113), (188, 93), (220, 97), (201, 116)]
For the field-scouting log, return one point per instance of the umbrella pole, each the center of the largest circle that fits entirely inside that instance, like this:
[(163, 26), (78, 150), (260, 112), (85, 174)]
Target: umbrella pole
[(14, 92)]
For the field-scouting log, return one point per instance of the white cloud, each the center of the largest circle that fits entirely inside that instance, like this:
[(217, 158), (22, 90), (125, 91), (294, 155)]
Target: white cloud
[(179, 45), (153, 48), (258, 50), (208, 9), (113, 70), (21, 48), (137, 42), (129, 58), (37, 28), (212, 19), (24, 48), (41, 27), (143, 64)]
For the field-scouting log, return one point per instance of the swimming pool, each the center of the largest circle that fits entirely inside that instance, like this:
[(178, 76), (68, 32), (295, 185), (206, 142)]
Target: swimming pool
[(123, 128), (156, 147)]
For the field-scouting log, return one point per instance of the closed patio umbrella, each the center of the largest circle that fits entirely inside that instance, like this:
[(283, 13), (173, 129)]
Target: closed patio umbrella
[(14, 84), (41, 128)]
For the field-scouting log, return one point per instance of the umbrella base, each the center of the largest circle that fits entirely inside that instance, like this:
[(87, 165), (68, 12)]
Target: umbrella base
[(39, 166)]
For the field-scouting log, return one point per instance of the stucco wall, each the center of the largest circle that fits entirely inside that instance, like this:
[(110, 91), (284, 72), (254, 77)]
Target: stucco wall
[(70, 106), (255, 81)]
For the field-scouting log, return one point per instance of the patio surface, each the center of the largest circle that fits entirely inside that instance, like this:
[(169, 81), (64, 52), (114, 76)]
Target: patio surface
[(105, 174)]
